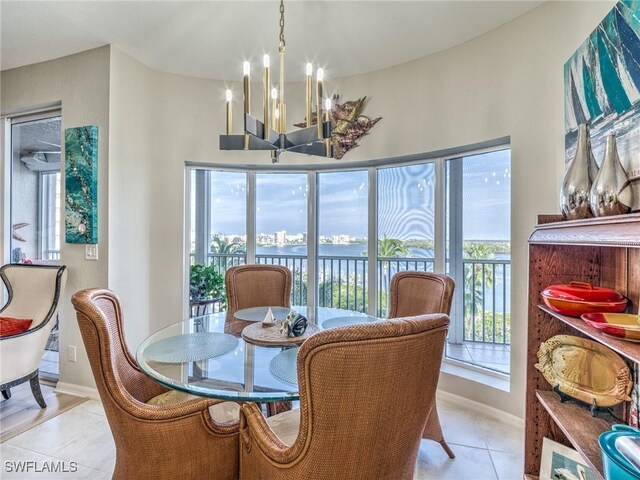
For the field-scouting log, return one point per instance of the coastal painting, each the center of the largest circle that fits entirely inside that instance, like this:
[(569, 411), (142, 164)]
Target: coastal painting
[(602, 89), (81, 184)]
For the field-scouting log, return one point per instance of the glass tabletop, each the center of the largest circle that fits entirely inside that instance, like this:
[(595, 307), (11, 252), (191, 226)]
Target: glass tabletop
[(197, 357)]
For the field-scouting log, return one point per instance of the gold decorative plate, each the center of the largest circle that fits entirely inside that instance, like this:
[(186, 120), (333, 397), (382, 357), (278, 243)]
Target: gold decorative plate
[(585, 370)]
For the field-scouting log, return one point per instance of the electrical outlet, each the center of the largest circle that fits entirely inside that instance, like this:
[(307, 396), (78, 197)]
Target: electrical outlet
[(91, 252), (71, 353)]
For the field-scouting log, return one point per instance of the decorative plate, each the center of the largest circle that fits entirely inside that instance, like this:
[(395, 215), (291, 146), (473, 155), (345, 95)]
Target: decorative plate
[(619, 325), (257, 314), (585, 370), (191, 347), (284, 366), (271, 336), (344, 321)]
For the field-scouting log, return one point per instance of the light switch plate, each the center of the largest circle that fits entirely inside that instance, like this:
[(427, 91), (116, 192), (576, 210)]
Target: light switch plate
[(91, 252)]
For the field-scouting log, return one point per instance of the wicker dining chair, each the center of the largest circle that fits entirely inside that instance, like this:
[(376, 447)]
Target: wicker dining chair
[(158, 433), (419, 293), (363, 393), (255, 286)]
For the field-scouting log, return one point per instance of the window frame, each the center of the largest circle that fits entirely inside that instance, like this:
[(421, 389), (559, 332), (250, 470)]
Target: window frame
[(372, 167)]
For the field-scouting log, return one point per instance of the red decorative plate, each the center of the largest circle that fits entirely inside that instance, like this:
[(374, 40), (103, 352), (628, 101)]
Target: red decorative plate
[(619, 325)]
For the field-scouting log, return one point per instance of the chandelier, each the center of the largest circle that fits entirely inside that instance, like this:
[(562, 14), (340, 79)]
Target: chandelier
[(269, 134)]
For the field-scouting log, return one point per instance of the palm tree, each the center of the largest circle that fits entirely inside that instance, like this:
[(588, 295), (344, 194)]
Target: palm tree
[(389, 248), (474, 286), (221, 246)]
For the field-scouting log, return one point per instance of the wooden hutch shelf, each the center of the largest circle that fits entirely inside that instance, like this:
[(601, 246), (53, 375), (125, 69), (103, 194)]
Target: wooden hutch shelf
[(604, 252)]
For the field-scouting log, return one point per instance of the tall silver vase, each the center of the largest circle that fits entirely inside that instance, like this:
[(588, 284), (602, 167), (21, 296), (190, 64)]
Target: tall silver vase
[(576, 186), (611, 193)]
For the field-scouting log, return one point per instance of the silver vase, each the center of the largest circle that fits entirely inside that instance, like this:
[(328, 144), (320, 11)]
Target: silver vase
[(611, 193), (576, 186)]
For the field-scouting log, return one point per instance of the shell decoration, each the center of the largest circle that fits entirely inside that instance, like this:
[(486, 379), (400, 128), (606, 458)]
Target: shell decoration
[(585, 370), (348, 125), (294, 325)]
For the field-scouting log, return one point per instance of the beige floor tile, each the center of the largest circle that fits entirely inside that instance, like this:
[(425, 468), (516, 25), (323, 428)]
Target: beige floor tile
[(460, 427), (58, 432), (502, 436), (96, 449), (509, 466), (14, 467), (91, 406), (470, 463)]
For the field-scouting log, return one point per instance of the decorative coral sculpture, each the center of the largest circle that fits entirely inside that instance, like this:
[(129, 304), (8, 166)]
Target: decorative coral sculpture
[(348, 124)]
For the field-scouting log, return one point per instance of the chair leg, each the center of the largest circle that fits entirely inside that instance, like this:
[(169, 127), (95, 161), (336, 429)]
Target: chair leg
[(273, 408), (446, 448), (6, 394), (35, 389)]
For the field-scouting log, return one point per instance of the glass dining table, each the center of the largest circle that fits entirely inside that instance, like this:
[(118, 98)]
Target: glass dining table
[(197, 356)]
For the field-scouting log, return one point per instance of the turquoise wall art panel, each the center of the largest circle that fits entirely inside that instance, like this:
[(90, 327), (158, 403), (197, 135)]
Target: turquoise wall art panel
[(602, 89), (81, 184)]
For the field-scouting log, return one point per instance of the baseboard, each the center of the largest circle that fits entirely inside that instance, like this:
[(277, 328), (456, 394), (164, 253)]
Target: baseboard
[(77, 390), (478, 407)]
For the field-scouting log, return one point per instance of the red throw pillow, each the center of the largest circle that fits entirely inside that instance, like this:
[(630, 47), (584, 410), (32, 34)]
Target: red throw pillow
[(12, 326)]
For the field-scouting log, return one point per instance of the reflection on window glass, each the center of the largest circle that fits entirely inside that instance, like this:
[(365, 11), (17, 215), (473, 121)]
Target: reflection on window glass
[(281, 226), (35, 191), (406, 222), (342, 239), (478, 211)]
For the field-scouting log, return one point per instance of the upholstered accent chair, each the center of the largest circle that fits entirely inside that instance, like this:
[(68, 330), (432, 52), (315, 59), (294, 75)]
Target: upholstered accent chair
[(34, 293), (159, 433), (366, 392), (255, 286), (419, 293)]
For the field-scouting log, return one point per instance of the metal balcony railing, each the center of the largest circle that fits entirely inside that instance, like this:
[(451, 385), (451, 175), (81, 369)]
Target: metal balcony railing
[(342, 283)]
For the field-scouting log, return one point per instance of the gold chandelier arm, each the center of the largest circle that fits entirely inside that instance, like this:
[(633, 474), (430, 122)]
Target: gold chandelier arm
[(282, 123)]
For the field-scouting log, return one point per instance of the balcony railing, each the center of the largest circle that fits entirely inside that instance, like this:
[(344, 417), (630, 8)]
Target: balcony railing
[(342, 283)]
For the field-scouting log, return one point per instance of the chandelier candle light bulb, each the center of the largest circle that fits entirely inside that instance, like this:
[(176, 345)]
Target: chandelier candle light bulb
[(309, 99), (229, 96), (266, 81), (319, 80)]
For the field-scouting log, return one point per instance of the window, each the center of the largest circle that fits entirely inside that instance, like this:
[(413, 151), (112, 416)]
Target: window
[(479, 257), (444, 214), (34, 219), (342, 239), (35, 190), (218, 218), (281, 226), (406, 224)]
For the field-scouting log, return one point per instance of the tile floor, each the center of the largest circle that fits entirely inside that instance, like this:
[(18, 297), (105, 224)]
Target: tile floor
[(485, 448)]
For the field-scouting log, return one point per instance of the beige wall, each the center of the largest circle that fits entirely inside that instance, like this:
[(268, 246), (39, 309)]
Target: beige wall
[(81, 83), (131, 144), (508, 82)]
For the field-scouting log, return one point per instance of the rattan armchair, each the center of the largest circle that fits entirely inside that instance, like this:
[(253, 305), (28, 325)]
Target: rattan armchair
[(419, 293), (365, 394), (170, 441), (255, 286)]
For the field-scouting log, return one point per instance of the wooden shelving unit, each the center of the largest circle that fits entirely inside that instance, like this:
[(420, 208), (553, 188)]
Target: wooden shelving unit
[(604, 252)]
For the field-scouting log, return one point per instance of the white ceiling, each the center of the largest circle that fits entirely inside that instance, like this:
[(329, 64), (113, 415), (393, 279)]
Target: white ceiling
[(211, 38)]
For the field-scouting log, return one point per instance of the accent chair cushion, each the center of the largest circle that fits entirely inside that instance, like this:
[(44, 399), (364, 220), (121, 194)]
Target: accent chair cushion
[(286, 425), (12, 326), (223, 412)]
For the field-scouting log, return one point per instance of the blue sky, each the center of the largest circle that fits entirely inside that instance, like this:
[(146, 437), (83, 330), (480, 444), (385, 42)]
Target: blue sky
[(405, 203)]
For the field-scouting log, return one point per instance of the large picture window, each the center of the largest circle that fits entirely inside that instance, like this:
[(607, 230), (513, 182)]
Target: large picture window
[(344, 234)]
